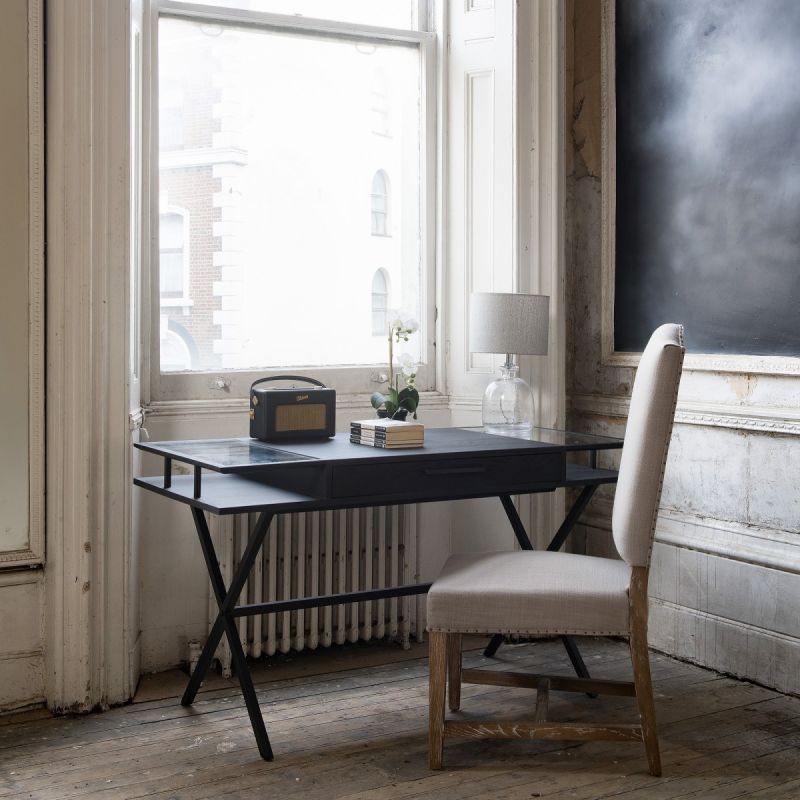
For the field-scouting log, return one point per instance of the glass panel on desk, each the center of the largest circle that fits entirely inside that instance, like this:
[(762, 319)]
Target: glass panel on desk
[(225, 453), (568, 439)]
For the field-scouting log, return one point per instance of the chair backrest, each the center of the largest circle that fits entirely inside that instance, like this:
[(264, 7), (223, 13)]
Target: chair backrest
[(644, 454)]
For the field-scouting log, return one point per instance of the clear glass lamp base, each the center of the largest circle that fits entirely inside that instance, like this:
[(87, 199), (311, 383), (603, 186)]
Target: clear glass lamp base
[(508, 403)]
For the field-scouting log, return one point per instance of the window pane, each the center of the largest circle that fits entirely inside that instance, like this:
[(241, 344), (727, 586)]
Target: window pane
[(276, 174), (380, 304), (380, 323), (171, 263), (171, 274), (383, 13), (171, 232)]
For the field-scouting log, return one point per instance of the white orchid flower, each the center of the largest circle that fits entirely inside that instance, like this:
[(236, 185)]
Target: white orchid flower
[(407, 364), (401, 323), (401, 326)]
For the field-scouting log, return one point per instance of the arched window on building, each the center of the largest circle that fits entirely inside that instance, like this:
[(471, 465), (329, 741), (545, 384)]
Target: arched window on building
[(173, 238), (380, 303), (178, 349), (380, 204)]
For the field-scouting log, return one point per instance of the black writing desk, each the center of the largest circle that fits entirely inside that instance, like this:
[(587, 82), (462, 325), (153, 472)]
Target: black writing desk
[(454, 464)]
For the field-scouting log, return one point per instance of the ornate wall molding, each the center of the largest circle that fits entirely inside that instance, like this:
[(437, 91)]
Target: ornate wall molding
[(709, 362), (762, 547), (783, 421)]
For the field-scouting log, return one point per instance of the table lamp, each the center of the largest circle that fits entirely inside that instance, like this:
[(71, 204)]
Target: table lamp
[(514, 324)]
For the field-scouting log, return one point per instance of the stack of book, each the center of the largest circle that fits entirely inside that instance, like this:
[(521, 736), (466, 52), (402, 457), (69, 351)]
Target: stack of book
[(389, 433)]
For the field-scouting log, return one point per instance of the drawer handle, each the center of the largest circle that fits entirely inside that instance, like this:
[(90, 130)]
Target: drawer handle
[(455, 471)]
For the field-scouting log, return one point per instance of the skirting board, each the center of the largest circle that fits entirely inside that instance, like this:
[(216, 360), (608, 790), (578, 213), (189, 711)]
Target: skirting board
[(741, 650), (722, 595)]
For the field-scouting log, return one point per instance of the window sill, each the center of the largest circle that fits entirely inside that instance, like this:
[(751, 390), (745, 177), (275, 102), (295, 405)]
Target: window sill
[(433, 401)]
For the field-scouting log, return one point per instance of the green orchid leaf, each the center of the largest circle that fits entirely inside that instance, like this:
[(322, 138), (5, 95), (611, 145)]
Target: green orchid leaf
[(409, 392), (377, 400)]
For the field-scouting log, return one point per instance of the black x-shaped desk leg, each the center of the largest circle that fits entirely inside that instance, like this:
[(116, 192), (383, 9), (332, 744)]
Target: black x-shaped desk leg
[(555, 544), (226, 600)]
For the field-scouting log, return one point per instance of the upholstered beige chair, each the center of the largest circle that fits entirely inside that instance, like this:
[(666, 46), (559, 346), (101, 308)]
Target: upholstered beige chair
[(534, 592)]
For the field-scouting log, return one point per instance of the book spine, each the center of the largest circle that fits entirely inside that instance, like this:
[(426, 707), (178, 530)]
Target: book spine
[(358, 427), (415, 431), (389, 445), (387, 439)]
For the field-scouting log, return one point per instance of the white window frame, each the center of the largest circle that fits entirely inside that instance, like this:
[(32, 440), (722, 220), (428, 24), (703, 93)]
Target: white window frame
[(347, 379)]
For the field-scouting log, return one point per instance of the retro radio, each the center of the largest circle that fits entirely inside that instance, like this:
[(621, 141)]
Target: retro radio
[(282, 414)]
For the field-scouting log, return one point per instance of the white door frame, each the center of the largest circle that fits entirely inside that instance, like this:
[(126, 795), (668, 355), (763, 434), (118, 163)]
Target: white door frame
[(541, 186), (90, 634)]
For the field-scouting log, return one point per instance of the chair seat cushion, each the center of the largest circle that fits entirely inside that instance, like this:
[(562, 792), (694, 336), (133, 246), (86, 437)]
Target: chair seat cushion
[(530, 592)]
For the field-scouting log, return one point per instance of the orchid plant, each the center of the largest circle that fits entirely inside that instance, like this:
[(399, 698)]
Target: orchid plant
[(397, 402)]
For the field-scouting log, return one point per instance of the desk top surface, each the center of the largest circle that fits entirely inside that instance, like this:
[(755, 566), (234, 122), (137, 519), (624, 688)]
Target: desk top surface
[(251, 455)]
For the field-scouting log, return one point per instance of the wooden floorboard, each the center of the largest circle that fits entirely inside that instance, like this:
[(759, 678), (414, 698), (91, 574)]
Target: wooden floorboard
[(358, 732)]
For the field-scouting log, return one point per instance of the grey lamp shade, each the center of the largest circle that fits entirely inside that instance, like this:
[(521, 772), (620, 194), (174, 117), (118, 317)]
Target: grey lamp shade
[(509, 323)]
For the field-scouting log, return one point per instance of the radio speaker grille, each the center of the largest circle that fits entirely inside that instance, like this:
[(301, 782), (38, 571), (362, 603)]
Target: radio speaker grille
[(310, 416)]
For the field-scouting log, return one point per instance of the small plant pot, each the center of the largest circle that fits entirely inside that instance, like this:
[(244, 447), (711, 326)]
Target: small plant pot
[(400, 414)]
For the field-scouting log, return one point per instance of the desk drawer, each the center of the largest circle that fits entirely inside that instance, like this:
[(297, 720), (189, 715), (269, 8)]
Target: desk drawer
[(449, 478)]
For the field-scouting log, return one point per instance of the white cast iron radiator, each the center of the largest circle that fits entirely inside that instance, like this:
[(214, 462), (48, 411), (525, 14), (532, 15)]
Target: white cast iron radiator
[(321, 552)]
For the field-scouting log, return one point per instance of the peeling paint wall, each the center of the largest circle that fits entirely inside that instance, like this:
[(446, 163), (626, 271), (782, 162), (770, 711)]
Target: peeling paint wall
[(725, 582)]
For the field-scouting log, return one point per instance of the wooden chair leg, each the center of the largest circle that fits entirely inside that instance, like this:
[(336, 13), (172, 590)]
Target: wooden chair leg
[(454, 670), (640, 658), (437, 666)]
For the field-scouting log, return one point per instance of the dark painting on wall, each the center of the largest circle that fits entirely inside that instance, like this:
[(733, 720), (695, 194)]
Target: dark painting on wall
[(708, 174)]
